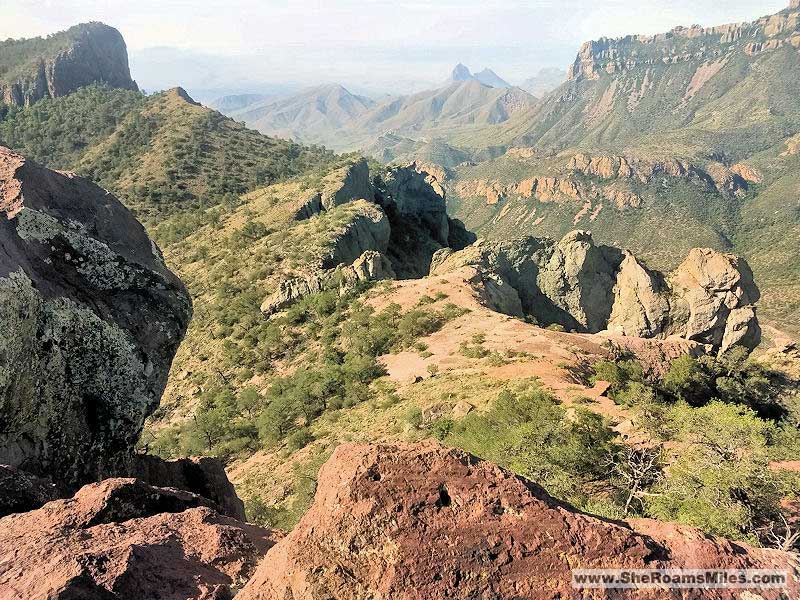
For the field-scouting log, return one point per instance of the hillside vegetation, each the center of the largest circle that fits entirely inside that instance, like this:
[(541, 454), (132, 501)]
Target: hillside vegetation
[(163, 154)]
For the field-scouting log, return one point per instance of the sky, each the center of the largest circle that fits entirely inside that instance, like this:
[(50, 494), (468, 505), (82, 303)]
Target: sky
[(374, 46)]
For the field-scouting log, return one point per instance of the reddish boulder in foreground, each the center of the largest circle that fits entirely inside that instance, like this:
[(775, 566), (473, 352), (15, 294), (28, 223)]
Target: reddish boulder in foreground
[(122, 539), (420, 521)]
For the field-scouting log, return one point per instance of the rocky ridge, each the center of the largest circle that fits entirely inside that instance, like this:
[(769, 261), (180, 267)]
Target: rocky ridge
[(684, 44), (424, 521), (82, 55), (399, 221)]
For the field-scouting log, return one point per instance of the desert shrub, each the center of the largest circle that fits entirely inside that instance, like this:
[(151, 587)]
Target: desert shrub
[(618, 373), (529, 432), (299, 439), (720, 481)]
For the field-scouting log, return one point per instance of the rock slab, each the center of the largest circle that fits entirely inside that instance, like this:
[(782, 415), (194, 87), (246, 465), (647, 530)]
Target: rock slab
[(412, 521)]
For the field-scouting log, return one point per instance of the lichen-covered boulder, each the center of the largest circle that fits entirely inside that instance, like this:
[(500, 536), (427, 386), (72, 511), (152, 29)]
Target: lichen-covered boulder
[(90, 320)]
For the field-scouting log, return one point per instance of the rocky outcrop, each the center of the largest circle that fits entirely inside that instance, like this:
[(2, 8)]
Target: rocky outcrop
[(90, 317), (348, 183), (370, 266), (122, 539), (368, 228), (407, 193), (714, 300), (395, 224), (710, 299), (85, 54), (641, 304), (423, 521), (203, 476)]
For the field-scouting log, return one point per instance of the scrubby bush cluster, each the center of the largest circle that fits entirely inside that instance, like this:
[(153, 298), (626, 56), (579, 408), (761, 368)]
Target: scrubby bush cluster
[(339, 341)]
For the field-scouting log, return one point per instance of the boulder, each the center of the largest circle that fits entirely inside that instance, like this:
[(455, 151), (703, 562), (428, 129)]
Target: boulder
[(715, 297), (579, 278), (122, 539), (202, 476), (641, 302), (411, 521), (90, 318), (21, 492)]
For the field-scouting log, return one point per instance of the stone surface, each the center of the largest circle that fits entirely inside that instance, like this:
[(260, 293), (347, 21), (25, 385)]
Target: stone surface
[(90, 318), (203, 476), (96, 53), (641, 306), (370, 266), (122, 539), (348, 183), (21, 492), (413, 521)]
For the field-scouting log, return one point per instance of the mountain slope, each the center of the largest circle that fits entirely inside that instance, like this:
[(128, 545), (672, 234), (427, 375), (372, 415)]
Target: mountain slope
[(32, 69), (162, 154), (311, 116)]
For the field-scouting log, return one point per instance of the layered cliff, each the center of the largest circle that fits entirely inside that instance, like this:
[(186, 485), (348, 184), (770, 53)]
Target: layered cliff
[(59, 65)]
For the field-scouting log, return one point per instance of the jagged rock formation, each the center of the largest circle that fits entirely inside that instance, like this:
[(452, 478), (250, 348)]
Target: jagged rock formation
[(82, 55), (424, 521), (370, 266), (123, 539), (709, 299), (398, 221), (91, 319)]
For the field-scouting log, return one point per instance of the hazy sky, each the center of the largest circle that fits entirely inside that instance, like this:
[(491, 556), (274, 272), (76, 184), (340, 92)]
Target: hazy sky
[(361, 42)]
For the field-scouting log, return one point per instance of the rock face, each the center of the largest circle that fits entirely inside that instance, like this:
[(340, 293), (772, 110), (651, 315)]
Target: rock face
[(709, 299), (123, 539), (423, 521), (716, 298), (90, 319), (202, 476), (86, 54)]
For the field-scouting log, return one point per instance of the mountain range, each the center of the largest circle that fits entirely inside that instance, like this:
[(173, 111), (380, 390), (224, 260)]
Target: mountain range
[(539, 333)]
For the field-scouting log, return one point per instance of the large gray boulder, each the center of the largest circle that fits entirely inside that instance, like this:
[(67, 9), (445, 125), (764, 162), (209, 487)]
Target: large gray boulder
[(90, 320), (710, 298), (714, 300)]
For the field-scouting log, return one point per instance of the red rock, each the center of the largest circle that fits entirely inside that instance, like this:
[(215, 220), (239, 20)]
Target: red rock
[(420, 521), (122, 539)]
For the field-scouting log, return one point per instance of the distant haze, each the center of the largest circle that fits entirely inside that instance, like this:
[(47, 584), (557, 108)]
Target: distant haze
[(372, 46)]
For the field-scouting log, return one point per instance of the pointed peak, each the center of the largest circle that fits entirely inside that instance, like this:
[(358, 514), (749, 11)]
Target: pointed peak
[(461, 73)]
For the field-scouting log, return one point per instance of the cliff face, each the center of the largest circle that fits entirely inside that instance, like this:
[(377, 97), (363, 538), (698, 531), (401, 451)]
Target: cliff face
[(82, 55), (687, 44)]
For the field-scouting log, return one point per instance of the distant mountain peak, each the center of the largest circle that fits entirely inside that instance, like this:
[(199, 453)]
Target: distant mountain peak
[(461, 73), (486, 77)]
